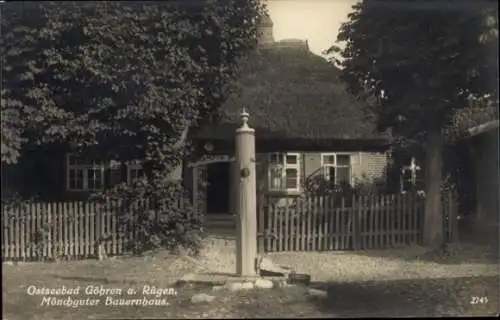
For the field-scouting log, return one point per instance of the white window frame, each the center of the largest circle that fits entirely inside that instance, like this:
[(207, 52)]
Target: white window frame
[(326, 166), (85, 167), (413, 168), (130, 168), (283, 167)]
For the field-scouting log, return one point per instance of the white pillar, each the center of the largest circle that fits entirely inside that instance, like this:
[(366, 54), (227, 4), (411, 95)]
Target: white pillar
[(235, 180), (246, 204)]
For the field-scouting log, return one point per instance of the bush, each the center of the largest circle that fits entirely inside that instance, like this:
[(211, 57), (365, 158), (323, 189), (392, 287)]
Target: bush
[(362, 186), (160, 214)]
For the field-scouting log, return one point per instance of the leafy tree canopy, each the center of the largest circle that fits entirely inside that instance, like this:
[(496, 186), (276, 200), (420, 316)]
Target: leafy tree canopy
[(128, 80), (419, 61), (127, 77)]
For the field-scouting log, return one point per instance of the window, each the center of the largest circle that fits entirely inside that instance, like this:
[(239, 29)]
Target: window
[(284, 172), (336, 168), (411, 176), (84, 173), (134, 171)]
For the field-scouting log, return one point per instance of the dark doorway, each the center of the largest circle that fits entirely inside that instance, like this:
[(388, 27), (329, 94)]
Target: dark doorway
[(218, 177)]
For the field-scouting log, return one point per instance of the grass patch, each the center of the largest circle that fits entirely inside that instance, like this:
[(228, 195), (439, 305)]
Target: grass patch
[(20, 305)]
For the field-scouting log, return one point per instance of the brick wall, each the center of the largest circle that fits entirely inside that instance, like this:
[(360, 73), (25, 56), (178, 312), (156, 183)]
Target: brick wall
[(376, 164)]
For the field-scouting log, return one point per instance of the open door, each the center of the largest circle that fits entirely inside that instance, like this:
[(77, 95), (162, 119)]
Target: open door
[(218, 188)]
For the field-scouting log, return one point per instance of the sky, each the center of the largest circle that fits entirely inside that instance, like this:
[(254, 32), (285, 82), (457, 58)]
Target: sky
[(318, 21)]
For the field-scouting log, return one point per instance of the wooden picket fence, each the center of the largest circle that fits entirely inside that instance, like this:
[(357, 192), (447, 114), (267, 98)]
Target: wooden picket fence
[(74, 230), (320, 223), (71, 230)]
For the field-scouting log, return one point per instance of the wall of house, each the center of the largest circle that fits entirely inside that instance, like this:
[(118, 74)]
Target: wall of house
[(368, 167), (10, 180), (41, 174), (373, 164), (365, 165)]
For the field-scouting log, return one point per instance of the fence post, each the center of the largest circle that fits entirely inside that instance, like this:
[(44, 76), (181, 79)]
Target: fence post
[(356, 222), (347, 228), (50, 230), (286, 228), (261, 231)]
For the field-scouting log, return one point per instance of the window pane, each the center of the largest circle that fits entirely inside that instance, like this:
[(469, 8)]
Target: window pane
[(94, 179), (420, 174), (115, 176), (329, 159), (274, 158), (291, 159), (135, 173), (407, 180), (330, 174), (407, 174), (343, 175), (76, 179), (343, 160), (281, 158), (291, 178), (275, 178)]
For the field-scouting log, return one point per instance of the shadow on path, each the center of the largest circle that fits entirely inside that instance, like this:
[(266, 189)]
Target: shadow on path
[(473, 247), (416, 297)]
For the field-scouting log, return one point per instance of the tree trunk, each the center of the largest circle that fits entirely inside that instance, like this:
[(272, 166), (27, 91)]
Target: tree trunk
[(433, 220)]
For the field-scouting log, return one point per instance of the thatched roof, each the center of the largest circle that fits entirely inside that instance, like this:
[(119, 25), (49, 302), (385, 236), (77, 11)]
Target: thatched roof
[(467, 121), (485, 127), (291, 93)]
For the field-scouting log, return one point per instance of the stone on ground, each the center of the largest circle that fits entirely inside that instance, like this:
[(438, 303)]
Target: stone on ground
[(264, 284), (247, 285), (218, 288), (202, 297), (188, 277), (237, 286), (234, 286), (283, 284), (268, 268)]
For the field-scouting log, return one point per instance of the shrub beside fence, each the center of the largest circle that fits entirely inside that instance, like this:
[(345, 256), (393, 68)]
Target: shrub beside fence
[(320, 223)]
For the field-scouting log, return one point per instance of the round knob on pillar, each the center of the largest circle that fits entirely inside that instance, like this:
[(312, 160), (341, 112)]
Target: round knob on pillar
[(245, 172)]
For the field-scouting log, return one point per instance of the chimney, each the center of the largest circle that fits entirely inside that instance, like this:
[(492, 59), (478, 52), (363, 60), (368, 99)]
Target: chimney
[(266, 30)]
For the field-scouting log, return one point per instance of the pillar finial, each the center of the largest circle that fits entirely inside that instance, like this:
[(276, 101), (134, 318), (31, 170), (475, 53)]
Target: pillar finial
[(244, 118)]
